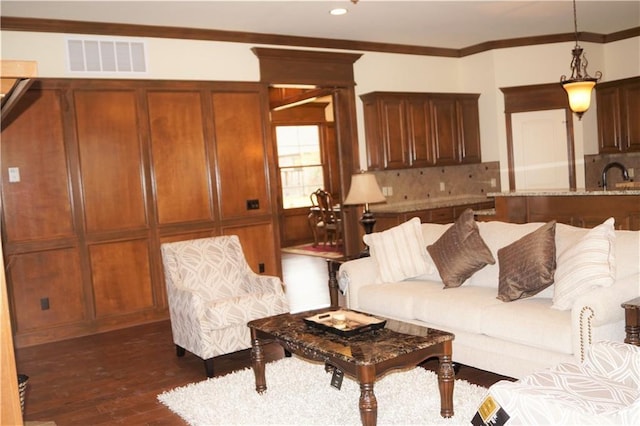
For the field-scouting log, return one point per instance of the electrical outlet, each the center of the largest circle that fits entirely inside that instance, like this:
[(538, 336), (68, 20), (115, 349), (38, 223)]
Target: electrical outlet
[(631, 172), (441, 186), (389, 191), (14, 174), (493, 182), (261, 267), (44, 303), (253, 204)]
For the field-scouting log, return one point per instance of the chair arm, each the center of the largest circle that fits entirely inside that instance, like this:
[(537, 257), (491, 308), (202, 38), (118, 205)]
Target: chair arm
[(186, 309), (355, 274), (265, 283), (239, 310), (616, 361), (600, 307)]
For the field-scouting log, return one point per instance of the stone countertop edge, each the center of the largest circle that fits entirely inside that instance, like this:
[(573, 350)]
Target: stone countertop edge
[(433, 203), (563, 193)]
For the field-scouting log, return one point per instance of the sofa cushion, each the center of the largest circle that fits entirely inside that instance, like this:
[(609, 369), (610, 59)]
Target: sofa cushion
[(497, 235), (399, 252), (529, 322), (460, 308), (396, 300), (460, 251), (587, 264), (527, 265)]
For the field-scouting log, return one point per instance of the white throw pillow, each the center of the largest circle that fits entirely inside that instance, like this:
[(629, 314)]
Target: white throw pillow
[(588, 264), (400, 252)]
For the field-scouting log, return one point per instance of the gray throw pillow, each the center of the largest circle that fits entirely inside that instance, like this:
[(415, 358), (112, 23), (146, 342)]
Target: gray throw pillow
[(460, 251), (527, 265)]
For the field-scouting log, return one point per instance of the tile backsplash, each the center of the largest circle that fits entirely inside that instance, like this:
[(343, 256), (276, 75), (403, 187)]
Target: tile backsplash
[(593, 165), (436, 182)]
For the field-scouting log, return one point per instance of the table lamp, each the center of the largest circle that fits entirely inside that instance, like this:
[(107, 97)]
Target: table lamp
[(365, 190)]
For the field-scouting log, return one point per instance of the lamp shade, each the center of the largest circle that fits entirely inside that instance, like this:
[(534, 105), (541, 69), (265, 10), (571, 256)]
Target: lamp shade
[(579, 93), (364, 190)]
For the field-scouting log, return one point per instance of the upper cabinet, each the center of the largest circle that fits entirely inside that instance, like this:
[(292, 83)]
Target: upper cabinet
[(406, 130), (618, 113)]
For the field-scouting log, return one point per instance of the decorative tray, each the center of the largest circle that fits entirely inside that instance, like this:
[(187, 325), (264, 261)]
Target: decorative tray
[(345, 323)]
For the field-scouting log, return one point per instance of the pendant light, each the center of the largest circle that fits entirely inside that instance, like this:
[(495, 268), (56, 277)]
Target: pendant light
[(580, 84)]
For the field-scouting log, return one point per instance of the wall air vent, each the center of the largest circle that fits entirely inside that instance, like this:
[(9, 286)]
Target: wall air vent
[(106, 56)]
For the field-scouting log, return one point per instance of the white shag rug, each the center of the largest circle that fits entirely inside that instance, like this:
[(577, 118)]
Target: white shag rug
[(299, 393)]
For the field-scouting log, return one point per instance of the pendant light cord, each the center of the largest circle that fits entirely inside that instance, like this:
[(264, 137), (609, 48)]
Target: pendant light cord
[(575, 21)]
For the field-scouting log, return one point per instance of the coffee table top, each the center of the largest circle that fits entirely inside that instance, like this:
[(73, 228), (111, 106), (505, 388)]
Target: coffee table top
[(371, 347)]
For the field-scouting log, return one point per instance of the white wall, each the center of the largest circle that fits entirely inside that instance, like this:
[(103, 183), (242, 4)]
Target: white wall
[(483, 73)]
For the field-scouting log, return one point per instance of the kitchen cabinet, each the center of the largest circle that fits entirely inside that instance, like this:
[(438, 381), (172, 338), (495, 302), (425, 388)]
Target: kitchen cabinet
[(439, 213), (584, 209), (411, 130), (618, 111), (398, 131)]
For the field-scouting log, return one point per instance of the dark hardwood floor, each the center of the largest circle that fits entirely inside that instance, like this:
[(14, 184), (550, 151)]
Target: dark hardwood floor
[(114, 378)]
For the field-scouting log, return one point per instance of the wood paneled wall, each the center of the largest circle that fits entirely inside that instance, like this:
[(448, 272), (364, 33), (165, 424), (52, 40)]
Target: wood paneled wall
[(110, 169)]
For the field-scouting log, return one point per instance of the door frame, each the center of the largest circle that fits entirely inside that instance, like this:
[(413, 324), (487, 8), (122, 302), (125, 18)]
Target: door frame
[(326, 70), (538, 97)]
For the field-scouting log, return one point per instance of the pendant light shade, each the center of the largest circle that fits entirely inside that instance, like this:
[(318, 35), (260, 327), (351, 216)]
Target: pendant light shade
[(579, 93)]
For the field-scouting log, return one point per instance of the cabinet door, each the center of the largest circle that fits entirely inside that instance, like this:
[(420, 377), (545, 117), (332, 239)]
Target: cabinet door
[(420, 147), (469, 122), (608, 120), (394, 135), (631, 116), (445, 130), (372, 131)]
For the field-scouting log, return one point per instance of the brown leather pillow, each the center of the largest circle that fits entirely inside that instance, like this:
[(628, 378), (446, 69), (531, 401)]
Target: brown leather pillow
[(527, 265), (460, 251)]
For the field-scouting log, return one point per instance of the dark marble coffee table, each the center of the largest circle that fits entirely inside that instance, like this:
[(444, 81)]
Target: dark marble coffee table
[(364, 357)]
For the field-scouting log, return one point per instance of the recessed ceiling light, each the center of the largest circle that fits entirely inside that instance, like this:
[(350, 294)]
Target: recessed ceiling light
[(338, 11)]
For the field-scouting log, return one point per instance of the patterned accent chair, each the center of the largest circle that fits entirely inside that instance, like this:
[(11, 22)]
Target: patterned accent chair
[(604, 389), (213, 293)]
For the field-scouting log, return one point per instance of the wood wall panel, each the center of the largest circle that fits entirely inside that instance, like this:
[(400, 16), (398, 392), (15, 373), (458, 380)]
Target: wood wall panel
[(179, 157), (39, 206), (121, 277), (257, 249), (113, 168), (52, 274), (110, 160), (240, 148)]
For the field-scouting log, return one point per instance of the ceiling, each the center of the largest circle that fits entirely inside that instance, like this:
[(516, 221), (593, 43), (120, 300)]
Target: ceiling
[(445, 24)]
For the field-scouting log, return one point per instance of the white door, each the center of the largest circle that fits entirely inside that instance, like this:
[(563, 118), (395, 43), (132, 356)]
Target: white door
[(540, 150)]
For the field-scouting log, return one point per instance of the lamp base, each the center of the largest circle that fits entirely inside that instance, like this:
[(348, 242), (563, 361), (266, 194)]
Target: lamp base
[(368, 221)]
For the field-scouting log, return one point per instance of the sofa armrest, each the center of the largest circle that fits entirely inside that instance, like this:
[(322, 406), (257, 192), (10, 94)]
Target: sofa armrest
[(355, 274), (598, 308)]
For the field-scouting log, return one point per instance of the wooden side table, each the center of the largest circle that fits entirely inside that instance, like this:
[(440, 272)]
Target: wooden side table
[(632, 321), (333, 265)]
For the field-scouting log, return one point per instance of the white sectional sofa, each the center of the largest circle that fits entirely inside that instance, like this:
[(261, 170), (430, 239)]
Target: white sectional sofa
[(588, 274)]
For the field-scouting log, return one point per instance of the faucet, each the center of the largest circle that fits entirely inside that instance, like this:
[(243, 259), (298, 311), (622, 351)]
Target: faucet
[(625, 173)]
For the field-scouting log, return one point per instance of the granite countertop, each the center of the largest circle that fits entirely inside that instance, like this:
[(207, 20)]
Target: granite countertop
[(432, 203), (559, 192)]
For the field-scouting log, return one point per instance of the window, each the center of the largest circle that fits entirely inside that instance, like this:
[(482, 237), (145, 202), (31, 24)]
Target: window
[(300, 163)]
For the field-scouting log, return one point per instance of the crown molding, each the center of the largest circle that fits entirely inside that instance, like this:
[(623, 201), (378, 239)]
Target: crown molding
[(9, 23)]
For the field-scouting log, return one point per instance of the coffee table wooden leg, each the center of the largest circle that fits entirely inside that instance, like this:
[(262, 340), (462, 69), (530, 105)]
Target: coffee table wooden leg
[(446, 379), (368, 403), (257, 362)]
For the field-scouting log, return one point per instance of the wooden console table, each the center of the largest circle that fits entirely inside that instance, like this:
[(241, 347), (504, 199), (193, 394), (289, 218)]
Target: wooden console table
[(632, 321)]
